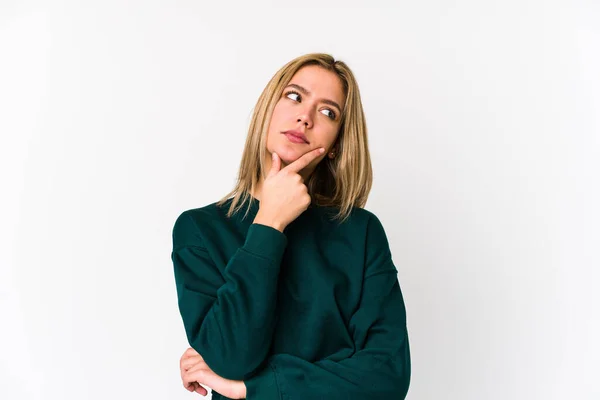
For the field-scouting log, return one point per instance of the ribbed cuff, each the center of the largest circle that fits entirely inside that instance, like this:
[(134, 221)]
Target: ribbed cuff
[(263, 386), (265, 241)]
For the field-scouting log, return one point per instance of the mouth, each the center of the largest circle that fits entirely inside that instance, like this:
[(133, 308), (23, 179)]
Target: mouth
[(296, 136)]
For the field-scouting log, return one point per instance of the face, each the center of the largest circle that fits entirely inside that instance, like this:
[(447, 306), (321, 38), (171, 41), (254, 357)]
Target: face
[(310, 104)]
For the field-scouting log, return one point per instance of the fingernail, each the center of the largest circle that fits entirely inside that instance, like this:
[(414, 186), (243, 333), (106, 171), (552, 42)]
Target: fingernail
[(322, 149), (273, 156)]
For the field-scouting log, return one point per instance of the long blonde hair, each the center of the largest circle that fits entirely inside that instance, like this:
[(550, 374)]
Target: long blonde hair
[(342, 182)]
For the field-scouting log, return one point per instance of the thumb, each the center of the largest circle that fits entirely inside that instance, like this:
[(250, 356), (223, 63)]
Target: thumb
[(275, 164)]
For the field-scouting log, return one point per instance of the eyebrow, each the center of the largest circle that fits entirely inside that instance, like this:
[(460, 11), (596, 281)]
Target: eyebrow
[(306, 92)]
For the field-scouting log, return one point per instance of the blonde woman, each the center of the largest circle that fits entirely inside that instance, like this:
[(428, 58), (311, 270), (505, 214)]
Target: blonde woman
[(286, 286)]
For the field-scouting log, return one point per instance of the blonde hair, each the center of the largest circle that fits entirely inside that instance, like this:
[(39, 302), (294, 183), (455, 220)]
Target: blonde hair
[(342, 182)]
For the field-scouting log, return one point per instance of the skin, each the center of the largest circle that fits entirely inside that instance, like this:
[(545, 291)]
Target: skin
[(307, 113), (195, 373), (320, 122)]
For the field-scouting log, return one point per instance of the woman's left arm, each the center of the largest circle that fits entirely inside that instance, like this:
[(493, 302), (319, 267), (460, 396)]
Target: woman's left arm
[(379, 369)]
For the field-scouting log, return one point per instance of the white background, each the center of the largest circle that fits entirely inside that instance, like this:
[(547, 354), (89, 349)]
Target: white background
[(484, 127)]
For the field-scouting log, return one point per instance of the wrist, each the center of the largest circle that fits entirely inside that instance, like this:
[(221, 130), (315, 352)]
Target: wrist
[(242, 394), (264, 220)]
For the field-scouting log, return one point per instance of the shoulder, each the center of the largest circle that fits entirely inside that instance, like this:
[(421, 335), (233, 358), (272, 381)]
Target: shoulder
[(370, 226), (367, 216), (365, 231), (362, 226), (188, 226), (378, 255)]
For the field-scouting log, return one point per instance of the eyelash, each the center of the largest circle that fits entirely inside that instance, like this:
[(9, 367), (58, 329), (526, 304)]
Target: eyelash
[(333, 114)]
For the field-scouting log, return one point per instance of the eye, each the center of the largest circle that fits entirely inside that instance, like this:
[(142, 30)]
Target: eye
[(293, 92), (331, 113)]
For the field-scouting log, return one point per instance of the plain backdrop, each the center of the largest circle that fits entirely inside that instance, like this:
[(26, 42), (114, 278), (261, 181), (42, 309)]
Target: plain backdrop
[(484, 129)]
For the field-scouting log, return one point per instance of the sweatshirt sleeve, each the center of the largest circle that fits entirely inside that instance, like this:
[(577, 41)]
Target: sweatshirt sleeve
[(379, 369), (229, 317)]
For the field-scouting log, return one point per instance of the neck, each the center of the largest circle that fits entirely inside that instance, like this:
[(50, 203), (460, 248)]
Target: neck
[(257, 191)]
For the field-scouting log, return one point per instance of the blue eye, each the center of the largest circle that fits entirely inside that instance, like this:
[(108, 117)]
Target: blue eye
[(332, 113)]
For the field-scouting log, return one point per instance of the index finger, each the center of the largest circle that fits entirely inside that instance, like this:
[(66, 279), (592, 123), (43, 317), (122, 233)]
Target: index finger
[(303, 161)]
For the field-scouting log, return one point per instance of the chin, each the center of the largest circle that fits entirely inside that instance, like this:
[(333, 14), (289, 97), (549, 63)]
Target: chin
[(288, 155), (286, 158)]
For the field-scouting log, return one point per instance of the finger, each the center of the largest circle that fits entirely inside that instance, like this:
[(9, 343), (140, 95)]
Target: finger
[(198, 388), (189, 352), (275, 165), (190, 362), (190, 387), (194, 376), (303, 161), (188, 383), (185, 372), (190, 377), (197, 367)]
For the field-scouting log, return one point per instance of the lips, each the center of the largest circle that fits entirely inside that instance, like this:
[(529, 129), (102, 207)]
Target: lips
[(297, 134)]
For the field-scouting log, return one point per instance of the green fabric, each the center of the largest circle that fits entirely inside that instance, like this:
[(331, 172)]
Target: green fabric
[(315, 312)]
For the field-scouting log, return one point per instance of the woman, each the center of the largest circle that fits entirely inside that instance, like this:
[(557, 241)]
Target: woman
[(297, 297)]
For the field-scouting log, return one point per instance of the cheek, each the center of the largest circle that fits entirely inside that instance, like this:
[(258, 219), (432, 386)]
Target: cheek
[(328, 138), (277, 118)]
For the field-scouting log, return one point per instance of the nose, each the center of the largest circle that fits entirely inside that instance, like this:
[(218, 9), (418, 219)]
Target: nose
[(305, 118)]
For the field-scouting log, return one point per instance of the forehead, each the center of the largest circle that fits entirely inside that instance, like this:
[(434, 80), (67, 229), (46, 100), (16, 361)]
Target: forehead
[(320, 82)]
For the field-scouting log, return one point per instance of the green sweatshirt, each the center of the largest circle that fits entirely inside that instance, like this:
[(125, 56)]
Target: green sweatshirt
[(314, 312)]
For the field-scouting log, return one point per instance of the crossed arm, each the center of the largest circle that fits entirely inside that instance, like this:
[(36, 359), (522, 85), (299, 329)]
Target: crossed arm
[(231, 324)]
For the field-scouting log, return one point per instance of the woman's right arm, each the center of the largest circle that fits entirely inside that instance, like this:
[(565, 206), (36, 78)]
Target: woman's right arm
[(229, 317)]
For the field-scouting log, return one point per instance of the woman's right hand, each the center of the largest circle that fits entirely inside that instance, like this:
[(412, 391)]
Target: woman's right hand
[(284, 196)]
